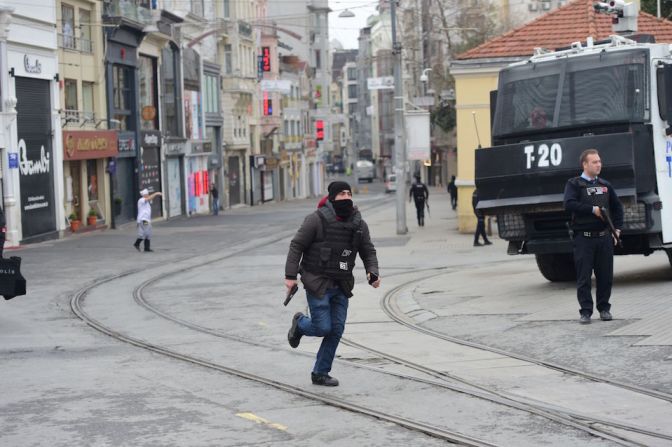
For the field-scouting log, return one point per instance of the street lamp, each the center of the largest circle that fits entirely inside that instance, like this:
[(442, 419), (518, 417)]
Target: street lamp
[(423, 76), (346, 14)]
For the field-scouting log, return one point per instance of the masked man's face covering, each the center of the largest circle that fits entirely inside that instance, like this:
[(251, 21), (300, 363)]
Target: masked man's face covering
[(343, 204), (340, 196)]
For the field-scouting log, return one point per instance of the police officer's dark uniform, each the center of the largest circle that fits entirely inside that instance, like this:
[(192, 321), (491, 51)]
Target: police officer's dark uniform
[(480, 222), (324, 252), (593, 243), (419, 193)]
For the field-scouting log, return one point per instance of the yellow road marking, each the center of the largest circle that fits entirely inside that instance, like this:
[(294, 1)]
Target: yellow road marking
[(259, 420)]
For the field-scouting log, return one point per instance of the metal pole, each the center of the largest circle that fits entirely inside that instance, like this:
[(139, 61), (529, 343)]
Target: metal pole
[(399, 143), (658, 7)]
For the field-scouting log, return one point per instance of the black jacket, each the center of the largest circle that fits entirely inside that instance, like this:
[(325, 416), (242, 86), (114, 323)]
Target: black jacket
[(575, 204), (317, 284)]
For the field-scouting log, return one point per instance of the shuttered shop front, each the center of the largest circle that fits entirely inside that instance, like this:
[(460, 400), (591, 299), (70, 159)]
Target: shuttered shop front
[(36, 157)]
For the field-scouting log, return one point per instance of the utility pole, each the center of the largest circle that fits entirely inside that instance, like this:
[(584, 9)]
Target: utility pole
[(399, 142)]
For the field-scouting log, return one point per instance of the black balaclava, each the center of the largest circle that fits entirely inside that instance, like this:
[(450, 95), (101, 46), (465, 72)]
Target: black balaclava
[(343, 208)]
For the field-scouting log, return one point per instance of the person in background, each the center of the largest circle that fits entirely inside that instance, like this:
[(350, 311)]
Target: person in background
[(480, 225), (144, 219), (452, 190), (215, 199), (420, 194)]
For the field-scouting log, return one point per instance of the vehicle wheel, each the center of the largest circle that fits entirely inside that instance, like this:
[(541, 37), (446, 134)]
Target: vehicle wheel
[(557, 267)]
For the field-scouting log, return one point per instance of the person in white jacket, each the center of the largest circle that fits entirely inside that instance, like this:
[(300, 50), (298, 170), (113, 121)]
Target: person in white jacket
[(145, 219)]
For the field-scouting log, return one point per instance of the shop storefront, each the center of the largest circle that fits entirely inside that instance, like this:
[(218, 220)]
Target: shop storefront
[(36, 157), (84, 167), (123, 114), (123, 188), (174, 169), (198, 180)]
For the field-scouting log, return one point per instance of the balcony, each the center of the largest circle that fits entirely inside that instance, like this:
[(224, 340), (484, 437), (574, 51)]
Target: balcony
[(68, 42), (77, 118), (128, 10)]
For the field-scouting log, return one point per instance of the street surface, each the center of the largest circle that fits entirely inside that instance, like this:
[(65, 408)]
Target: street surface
[(458, 338)]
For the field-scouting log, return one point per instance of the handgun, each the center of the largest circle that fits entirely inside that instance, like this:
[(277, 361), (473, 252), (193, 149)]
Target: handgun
[(291, 294)]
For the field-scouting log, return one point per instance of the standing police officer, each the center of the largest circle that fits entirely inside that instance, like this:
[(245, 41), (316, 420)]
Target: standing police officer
[(585, 197), (325, 248), (420, 194)]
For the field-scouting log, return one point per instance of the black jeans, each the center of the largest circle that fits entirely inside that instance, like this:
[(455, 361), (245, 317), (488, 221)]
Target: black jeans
[(594, 254), (480, 229), (420, 208)]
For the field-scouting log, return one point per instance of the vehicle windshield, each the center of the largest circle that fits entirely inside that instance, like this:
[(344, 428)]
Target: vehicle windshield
[(605, 87)]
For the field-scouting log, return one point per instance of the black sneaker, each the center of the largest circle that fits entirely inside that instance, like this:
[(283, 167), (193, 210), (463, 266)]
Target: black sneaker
[(605, 315), (137, 246), (294, 336), (323, 379), (585, 319), (477, 244), (487, 243)]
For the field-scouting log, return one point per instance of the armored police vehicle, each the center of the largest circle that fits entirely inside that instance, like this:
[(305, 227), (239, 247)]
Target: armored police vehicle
[(614, 96)]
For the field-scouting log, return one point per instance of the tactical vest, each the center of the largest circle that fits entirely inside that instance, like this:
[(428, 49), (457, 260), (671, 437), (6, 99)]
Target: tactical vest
[(334, 251), (593, 194), (418, 192)]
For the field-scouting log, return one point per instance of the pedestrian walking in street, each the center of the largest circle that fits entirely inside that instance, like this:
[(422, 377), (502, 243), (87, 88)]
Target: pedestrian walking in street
[(480, 222), (452, 190), (215, 199), (420, 194), (324, 251), (144, 219), (592, 202)]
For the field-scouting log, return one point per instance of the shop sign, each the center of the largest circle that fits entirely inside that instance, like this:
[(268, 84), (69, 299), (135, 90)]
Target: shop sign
[(35, 67), (271, 163), (88, 144), (150, 173), (175, 149), (148, 113), (151, 138), (126, 143), (13, 160)]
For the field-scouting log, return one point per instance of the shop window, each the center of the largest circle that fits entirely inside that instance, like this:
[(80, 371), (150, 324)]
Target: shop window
[(122, 94), (228, 59), (227, 8), (147, 93), (71, 108), (92, 180), (68, 26), (86, 44), (211, 102), (197, 7), (87, 102), (169, 92)]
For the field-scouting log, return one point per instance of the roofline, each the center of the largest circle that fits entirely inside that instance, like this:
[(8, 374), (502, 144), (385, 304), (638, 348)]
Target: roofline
[(482, 65)]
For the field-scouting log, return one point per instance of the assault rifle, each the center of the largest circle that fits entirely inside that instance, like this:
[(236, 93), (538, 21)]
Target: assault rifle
[(612, 228)]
